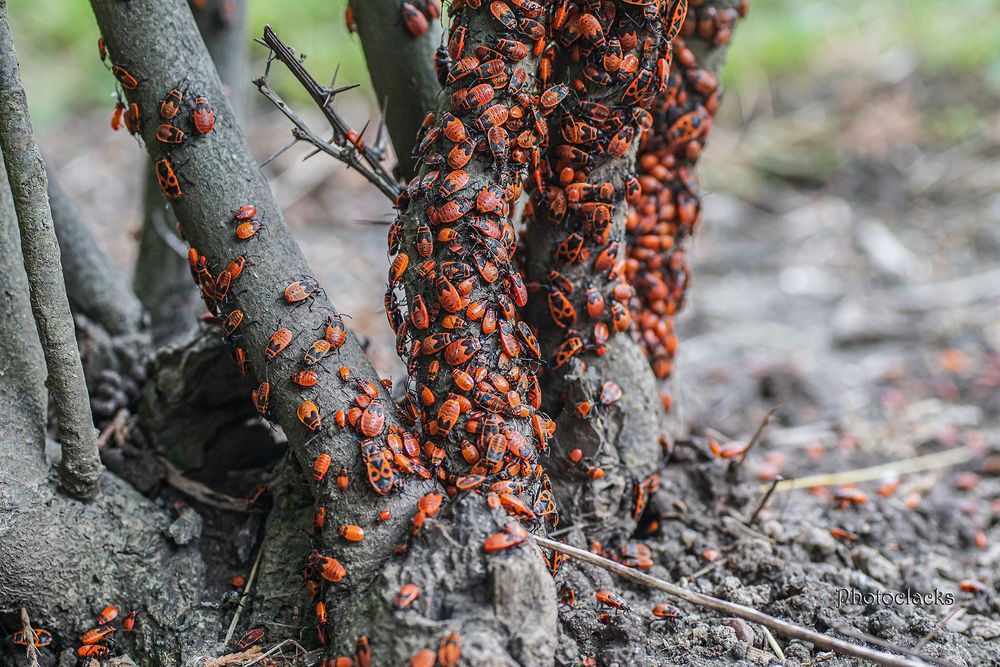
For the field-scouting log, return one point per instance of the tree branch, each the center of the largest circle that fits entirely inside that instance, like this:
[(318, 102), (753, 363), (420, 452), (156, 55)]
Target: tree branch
[(403, 74), (575, 245), (161, 279), (80, 467), (95, 289), (112, 331), (156, 41), (346, 145), (667, 212), (22, 391)]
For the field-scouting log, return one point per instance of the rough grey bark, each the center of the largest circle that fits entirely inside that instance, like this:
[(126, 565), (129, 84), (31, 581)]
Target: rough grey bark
[(62, 559), (402, 71), (81, 466), (280, 599), (162, 282), (159, 44)]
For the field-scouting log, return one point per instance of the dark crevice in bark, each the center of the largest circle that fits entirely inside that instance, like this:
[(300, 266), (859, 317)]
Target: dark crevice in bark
[(402, 71), (194, 408), (81, 466)]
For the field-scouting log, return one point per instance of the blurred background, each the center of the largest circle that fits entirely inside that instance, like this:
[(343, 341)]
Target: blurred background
[(848, 261)]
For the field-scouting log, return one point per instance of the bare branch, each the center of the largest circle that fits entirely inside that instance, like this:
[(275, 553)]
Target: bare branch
[(80, 467), (346, 145)]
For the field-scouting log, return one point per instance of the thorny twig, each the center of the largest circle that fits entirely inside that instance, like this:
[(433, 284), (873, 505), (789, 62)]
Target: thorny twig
[(365, 159), (779, 626)]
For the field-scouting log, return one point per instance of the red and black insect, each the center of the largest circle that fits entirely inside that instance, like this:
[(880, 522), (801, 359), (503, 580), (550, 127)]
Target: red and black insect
[(203, 115), (171, 104), (303, 290), (167, 179), (127, 81)]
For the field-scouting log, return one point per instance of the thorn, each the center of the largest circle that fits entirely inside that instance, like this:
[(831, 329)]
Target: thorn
[(331, 92), (337, 91), (333, 81), (363, 130), (281, 150)]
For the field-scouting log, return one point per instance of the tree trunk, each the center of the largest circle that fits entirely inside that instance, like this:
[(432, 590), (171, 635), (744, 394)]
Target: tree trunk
[(161, 278), (80, 467), (583, 298), (402, 71), (158, 42), (48, 542)]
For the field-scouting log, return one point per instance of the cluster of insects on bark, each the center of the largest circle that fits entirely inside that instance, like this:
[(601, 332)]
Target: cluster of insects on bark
[(472, 402), (472, 360), (174, 127), (96, 642), (618, 56), (668, 208)]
